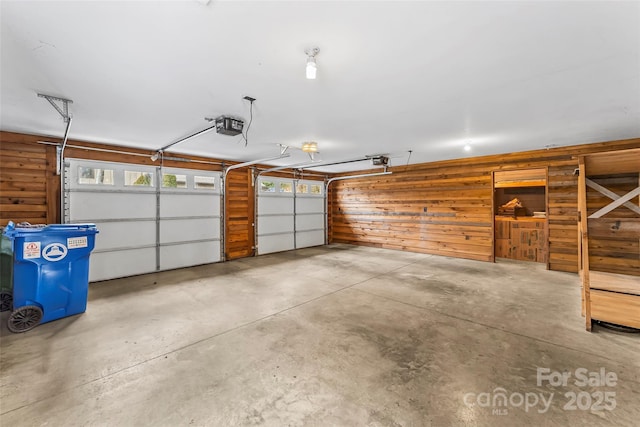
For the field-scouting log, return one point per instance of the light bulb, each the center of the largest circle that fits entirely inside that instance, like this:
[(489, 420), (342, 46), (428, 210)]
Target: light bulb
[(312, 68), (310, 147), (467, 147)]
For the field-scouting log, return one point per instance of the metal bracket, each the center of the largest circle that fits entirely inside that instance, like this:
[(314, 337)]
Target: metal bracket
[(312, 52), (64, 110)]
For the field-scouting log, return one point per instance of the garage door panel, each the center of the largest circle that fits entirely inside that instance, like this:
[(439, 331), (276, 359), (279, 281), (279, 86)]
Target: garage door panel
[(107, 205), (189, 254), (306, 205), (276, 224), (182, 230), (306, 239), (189, 204), (310, 219), (122, 263), (275, 205), (309, 222), (275, 243), (125, 234)]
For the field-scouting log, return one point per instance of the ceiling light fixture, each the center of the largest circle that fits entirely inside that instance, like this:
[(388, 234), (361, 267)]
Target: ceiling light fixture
[(310, 147), (467, 147), (312, 67)]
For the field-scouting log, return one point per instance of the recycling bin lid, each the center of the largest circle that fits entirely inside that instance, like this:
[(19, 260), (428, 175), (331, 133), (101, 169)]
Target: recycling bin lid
[(26, 229)]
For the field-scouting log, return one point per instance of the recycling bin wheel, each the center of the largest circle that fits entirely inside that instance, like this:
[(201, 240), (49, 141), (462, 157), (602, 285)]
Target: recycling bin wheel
[(6, 301), (25, 318)]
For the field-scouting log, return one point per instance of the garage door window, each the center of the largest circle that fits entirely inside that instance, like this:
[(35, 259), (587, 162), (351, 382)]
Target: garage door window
[(95, 176), (140, 179), (268, 186), (286, 187), (204, 182), (316, 189), (302, 188), (170, 180)]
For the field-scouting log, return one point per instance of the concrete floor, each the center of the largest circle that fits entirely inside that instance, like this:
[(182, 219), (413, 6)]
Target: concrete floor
[(330, 336)]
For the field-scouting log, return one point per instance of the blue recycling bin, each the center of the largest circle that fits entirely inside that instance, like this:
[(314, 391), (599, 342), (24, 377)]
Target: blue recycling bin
[(6, 273), (50, 272)]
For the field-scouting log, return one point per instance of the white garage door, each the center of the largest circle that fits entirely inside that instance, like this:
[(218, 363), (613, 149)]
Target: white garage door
[(290, 214), (149, 218)]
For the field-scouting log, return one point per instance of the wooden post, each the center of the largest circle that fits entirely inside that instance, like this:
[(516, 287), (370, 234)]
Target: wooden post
[(546, 221), (251, 213), (583, 242), (493, 216), (52, 188)]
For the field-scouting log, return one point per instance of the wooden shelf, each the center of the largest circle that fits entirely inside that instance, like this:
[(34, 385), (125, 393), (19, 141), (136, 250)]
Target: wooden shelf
[(519, 218), (520, 178), (516, 184)]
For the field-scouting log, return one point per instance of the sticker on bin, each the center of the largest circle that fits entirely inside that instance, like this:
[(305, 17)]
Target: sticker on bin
[(54, 252), (31, 250), (77, 242)]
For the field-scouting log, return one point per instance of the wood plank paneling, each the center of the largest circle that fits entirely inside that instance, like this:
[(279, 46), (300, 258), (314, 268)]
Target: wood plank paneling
[(606, 163), (445, 208), (24, 171), (52, 187), (562, 187), (614, 307), (614, 239), (614, 282), (239, 214), (407, 211)]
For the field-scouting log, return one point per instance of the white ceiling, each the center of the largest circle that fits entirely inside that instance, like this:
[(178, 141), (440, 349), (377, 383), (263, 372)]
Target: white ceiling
[(392, 76)]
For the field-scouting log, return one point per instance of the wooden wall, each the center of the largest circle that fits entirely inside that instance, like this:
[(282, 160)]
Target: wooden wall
[(27, 180), (446, 208), (239, 211), (409, 211)]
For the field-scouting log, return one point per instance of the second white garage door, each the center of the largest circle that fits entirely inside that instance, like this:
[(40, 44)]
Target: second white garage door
[(290, 214)]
